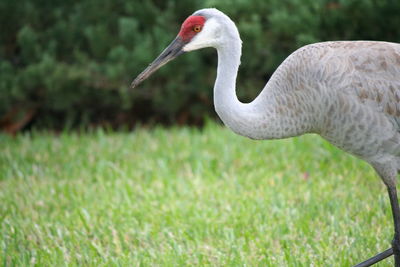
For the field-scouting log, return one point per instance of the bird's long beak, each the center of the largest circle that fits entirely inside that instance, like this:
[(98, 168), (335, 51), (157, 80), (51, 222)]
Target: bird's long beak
[(171, 52)]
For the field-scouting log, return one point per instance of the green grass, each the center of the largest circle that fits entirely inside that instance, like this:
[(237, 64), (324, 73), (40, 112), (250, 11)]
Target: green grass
[(186, 197)]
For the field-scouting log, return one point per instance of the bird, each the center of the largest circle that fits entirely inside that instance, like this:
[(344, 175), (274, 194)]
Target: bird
[(348, 92)]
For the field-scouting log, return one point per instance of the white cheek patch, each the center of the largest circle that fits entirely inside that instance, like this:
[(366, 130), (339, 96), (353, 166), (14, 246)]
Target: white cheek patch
[(206, 38)]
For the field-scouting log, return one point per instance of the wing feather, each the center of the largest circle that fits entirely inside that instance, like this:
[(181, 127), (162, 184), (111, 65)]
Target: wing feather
[(372, 75)]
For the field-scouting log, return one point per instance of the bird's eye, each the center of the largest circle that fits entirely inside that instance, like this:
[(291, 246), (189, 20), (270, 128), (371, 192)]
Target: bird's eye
[(197, 28)]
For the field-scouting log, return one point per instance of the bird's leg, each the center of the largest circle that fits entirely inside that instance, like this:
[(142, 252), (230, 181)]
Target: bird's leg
[(377, 258), (395, 250), (388, 175), (396, 218)]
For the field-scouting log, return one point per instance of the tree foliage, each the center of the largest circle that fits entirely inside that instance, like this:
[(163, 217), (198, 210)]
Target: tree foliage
[(72, 61)]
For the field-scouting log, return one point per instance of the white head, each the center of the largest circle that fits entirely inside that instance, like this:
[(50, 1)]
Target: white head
[(216, 30), (204, 28)]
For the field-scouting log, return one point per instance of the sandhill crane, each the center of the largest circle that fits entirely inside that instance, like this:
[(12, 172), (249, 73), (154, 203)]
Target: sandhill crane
[(346, 91)]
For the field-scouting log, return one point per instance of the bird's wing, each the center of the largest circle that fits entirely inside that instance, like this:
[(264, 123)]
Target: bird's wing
[(374, 77)]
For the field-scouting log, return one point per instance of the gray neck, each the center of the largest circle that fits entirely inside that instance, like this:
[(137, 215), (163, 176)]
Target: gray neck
[(227, 105), (263, 117), (243, 119)]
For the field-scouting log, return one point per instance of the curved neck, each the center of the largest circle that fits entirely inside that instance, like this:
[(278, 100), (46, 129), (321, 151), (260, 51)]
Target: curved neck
[(243, 119), (266, 117), (225, 100)]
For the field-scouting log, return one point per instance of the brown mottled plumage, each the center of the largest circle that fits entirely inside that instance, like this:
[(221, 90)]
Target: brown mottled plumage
[(349, 93)]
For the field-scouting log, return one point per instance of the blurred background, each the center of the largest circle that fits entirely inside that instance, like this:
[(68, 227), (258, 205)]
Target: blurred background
[(68, 64)]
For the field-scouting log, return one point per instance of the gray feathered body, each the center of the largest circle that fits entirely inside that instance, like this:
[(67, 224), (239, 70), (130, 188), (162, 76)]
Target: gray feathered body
[(348, 92)]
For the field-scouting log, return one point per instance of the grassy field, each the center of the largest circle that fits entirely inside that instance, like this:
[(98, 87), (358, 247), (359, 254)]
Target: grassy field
[(186, 197)]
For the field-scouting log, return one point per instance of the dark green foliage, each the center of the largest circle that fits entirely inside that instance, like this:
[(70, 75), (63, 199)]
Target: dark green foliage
[(72, 61)]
